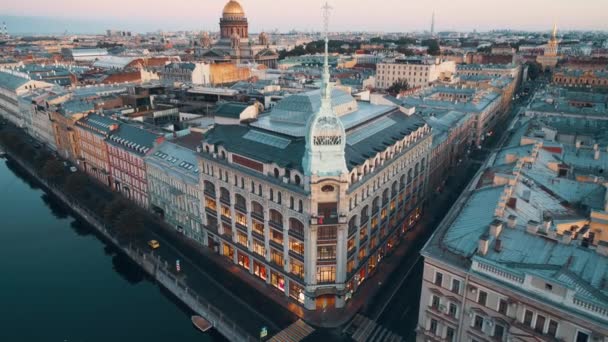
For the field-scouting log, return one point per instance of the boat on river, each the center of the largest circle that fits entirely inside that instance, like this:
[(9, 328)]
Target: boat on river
[(201, 323)]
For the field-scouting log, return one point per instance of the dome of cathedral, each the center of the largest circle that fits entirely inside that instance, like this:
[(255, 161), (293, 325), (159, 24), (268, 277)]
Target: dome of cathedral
[(233, 9)]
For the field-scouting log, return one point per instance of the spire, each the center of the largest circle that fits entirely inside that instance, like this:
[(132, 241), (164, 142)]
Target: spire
[(554, 35), (326, 84), (325, 137)]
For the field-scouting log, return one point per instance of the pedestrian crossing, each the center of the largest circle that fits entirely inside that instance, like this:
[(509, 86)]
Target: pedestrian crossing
[(363, 329), (293, 333)]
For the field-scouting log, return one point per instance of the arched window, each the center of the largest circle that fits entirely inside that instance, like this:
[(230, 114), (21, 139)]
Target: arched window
[(259, 189), (402, 182), (240, 202), (300, 206), (291, 202), (209, 188), (394, 189), (375, 205), (384, 197), (276, 218), (279, 199), (423, 164), (257, 210), (223, 155), (276, 173), (352, 225), (297, 179), (224, 195), (296, 227), (271, 194), (409, 176), (416, 169), (364, 214)]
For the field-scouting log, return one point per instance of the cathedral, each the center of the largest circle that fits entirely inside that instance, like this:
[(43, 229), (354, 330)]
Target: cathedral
[(234, 44), (548, 60)]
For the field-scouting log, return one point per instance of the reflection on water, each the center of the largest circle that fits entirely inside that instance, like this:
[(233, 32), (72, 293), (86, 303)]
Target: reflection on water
[(127, 269), (84, 289), (58, 209)]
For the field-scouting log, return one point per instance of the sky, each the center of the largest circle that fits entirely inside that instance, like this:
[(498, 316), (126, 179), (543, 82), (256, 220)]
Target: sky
[(88, 16)]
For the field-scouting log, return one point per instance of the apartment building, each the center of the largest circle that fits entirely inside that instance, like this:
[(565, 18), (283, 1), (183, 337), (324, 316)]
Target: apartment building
[(523, 254), (417, 71)]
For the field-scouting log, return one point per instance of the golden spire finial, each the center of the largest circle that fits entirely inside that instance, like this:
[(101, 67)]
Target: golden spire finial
[(554, 35)]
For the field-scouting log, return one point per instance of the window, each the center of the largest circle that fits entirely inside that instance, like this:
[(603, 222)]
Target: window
[(450, 334), (548, 287), (433, 327), (582, 337), (540, 324), (435, 302), (297, 268), (258, 247), (327, 233), (296, 246), (327, 188), (276, 257), (242, 238), (453, 310), (326, 274), (482, 298), (502, 306), (528, 317), (296, 227), (326, 252), (552, 330), (455, 285), (499, 332), (438, 278), (276, 236), (478, 322)]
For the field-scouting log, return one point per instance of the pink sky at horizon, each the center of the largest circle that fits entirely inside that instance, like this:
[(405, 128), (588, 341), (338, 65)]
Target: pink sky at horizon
[(353, 15)]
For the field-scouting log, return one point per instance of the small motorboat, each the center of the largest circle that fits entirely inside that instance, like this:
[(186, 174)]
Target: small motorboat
[(201, 323)]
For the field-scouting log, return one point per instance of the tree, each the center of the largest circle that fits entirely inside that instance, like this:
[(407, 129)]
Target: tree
[(130, 223), (113, 210), (399, 86), (53, 170), (534, 70), (76, 184), (433, 47)]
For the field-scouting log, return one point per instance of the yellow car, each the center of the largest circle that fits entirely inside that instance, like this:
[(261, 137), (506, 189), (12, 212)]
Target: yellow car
[(153, 244)]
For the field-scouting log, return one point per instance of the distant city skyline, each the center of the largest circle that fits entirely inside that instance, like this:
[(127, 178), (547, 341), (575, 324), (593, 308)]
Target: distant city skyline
[(267, 15)]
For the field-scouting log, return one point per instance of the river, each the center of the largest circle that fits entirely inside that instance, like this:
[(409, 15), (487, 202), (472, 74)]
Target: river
[(60, 282)]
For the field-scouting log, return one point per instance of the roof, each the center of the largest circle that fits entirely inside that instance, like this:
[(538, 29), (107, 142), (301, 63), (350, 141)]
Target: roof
[(534, 193), (363, 141), (173, 158), (230, 109), (11, 81), (97, 123), (133, 138), (76, 106)]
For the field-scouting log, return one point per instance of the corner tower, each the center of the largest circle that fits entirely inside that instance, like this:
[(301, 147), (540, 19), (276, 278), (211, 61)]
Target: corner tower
[(325, 137)]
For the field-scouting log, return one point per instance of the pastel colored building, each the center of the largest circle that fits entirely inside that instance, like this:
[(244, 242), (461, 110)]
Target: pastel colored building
[(127, 148), (173, 186), (92, 132)]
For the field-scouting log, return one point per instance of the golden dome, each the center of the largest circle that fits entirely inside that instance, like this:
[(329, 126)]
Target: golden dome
[(233, 9)]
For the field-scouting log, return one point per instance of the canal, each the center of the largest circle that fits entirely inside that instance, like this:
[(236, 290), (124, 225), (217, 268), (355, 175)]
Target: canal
[(60, 282)]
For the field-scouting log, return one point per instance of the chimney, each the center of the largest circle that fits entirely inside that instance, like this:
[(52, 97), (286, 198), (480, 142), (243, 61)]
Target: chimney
[(512, 221), (547, 224), (484, 244), (498, 245), (532, 227), (496, 228), (602, 248), (567, 237)]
